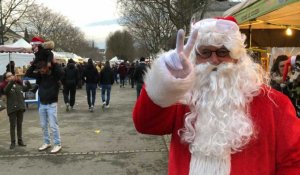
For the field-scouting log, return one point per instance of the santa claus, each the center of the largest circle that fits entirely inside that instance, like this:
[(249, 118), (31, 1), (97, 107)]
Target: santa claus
[(215, 101)]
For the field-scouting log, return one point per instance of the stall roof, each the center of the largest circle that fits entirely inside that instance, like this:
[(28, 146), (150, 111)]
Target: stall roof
[(267, 14), (19, 46)]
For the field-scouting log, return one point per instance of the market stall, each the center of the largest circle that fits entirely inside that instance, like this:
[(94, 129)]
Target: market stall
[(265, 23), (19, 52)]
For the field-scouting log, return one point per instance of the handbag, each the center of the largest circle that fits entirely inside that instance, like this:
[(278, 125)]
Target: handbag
[(2, 105)]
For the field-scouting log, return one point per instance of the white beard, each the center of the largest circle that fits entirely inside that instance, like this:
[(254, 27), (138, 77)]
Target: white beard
[(218, 124)]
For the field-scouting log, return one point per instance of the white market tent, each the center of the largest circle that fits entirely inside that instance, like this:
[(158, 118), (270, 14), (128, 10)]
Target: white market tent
[(19, 46), (20, 59), (63, 57), (19, 52), (22, 43), (115, 60)]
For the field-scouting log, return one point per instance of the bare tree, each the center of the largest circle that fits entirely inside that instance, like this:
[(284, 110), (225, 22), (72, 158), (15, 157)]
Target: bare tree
[(42, 21), (120, 44), (11, 11), (181, 11), (154, 23), (148, 23)]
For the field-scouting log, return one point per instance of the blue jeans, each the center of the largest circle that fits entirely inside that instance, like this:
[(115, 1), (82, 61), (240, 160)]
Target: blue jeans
[(105, 88), (91, 93), (48, 116)]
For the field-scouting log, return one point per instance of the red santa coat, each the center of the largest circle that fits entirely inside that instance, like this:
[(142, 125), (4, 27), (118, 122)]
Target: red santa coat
[(275, 150)]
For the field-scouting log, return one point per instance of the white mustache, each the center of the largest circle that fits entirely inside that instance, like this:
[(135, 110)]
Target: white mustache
[(207, 68)]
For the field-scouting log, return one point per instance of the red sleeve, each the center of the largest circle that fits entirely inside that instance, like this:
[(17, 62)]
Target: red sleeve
[(288, 140), (150, 118)]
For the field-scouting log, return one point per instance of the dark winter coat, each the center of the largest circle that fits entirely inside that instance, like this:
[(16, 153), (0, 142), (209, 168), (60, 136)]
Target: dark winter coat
[(71, 76), (90, 74), (14, 95), (139, 72), (122, 70), (49, 84), (107, 76), (44, 54)]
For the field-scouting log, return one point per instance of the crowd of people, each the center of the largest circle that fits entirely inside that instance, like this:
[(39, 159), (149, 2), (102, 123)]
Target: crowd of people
[(217, 104), (50, 78)]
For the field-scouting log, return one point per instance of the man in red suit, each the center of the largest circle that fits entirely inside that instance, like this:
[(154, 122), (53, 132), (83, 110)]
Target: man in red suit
[(216, 103)]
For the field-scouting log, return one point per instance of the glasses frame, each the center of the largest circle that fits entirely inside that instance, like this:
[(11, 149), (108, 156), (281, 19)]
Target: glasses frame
[(217, 52)]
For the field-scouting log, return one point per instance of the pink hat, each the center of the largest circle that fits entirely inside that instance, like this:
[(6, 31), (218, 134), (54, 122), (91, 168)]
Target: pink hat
[(36, 40)]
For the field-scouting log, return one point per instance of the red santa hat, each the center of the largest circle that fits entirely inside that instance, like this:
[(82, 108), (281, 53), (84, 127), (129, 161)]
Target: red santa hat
[(36, 40), (221, 31), (290, 62)]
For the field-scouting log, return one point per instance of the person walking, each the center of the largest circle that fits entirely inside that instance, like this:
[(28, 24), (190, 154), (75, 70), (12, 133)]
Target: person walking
[(116, 74), (106, 81), (90, 76), (122, 70), (49, 82), (138, 75), (13, 88), (131, 73), (70, 81), (80, 70)]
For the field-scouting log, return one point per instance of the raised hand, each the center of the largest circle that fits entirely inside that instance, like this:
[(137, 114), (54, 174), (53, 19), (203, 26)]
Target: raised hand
[(178, 61)]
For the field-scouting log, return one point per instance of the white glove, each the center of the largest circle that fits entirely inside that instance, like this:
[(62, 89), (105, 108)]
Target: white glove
[(177, 60)]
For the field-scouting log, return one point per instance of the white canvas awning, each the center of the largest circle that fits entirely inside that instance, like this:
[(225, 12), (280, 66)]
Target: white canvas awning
[(21, 43), (20, 59)]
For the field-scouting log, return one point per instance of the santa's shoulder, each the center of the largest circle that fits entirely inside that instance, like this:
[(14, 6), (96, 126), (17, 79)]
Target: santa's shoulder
[(268, 95)]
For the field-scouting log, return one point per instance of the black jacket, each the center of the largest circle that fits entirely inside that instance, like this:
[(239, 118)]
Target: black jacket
[(48, 83), (71, 76), (107, 76), (44, 54), (90, 74), (139, 72)]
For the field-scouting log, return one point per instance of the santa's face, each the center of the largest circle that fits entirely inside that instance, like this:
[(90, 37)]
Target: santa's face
[(213, 55)]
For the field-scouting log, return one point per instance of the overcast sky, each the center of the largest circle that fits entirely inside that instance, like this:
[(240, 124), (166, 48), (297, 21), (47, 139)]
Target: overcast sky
[(96, 18)]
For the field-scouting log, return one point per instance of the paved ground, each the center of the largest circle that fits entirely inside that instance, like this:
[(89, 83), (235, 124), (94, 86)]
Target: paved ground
[(98, 143)]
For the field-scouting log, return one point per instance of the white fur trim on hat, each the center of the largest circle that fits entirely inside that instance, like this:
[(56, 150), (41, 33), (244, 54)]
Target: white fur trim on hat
[(36, 42), (220, 32)]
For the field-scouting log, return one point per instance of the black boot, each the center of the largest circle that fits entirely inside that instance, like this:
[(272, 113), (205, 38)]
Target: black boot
[(12, 145), (21, 143)]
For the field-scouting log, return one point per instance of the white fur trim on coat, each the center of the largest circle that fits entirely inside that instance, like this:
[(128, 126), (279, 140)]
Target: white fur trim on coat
[(162, 87)]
